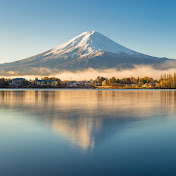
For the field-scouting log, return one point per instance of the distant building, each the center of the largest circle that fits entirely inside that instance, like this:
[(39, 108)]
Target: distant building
[(17, 81), (104, 83), (47, 82), (133, 85), (87, 84), (72, 84), (147, 85)]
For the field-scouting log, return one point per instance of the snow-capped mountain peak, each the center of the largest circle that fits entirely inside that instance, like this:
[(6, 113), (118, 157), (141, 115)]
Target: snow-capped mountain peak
[(88, 50), (89, 43)]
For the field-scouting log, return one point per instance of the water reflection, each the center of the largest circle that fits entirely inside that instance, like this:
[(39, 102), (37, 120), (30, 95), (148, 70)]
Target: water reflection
[(85, 117)]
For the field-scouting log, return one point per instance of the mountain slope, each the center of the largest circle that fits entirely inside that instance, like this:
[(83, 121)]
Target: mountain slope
[(88, 50)]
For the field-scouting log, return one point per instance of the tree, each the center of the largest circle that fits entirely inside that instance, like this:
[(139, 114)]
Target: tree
[(4, 82), (112, 81)]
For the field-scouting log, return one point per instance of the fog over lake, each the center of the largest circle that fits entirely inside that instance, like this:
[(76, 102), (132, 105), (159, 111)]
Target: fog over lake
[(87, 132)]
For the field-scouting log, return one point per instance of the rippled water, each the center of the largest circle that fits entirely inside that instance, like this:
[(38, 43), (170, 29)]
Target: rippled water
[(87, 132)]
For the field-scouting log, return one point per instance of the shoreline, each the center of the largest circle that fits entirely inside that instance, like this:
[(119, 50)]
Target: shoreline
[(86, 88)]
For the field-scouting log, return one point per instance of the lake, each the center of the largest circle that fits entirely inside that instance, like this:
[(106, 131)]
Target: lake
[(87, 132)]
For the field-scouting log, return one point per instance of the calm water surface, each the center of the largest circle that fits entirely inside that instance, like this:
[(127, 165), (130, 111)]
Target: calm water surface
[(87, 132)]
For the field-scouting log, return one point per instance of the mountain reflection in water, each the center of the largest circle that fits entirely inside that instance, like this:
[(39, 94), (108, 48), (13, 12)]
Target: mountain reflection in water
[(86, 117)]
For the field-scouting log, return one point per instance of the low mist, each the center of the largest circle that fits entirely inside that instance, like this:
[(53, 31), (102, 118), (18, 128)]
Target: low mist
[(87, 74)]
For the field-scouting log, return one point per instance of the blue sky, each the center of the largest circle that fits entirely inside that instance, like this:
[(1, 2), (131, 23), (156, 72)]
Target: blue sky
[(28, 27)]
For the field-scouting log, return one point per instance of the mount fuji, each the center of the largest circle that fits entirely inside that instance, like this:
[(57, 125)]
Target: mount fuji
[(88, 50)]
